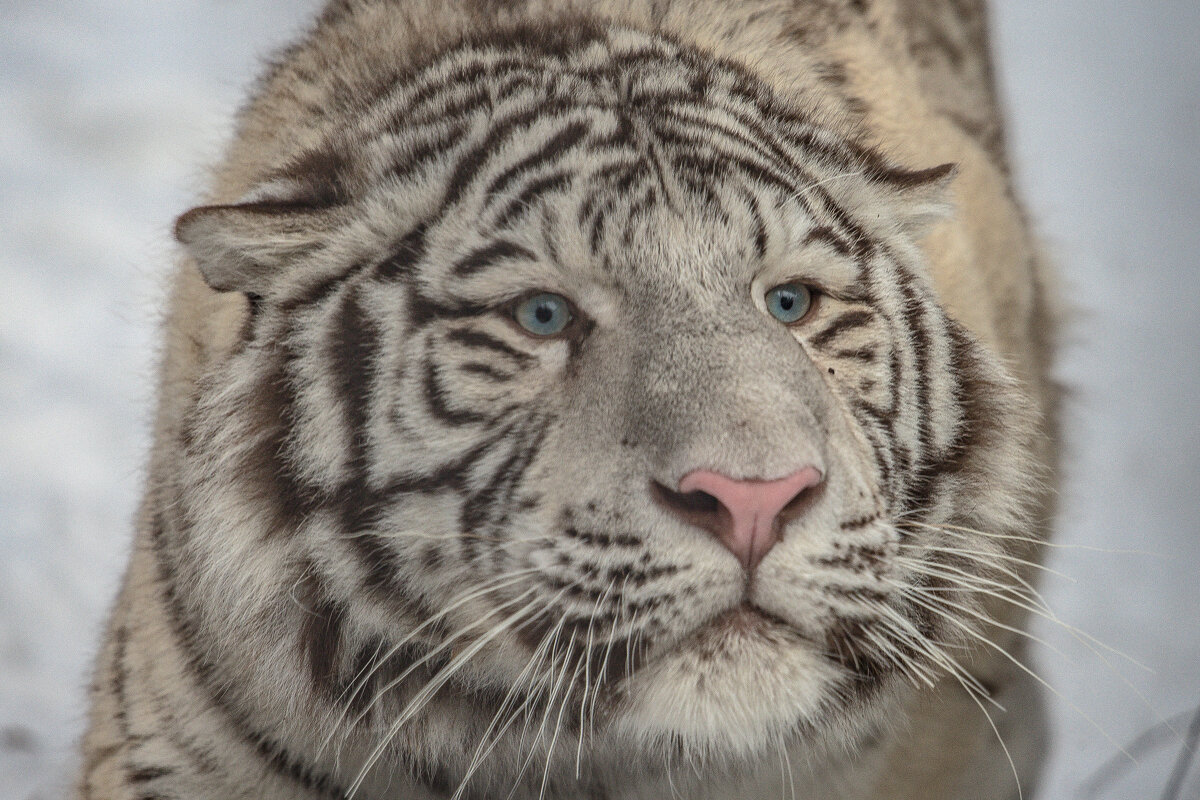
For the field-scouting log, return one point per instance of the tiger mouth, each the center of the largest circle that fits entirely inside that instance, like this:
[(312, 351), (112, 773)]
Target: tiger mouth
[(745, 619), (745, 623)]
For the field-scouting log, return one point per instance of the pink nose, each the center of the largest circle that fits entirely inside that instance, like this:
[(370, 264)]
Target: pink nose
[(750, 524)]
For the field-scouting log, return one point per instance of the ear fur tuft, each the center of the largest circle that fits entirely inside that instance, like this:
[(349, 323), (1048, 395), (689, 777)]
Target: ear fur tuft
[(242, 247), (920, 198)]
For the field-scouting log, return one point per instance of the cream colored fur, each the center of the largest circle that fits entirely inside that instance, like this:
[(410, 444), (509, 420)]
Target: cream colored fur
[(919, 104)]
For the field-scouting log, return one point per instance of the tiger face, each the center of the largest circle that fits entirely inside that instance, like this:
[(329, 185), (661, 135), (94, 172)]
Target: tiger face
[(595, 379)]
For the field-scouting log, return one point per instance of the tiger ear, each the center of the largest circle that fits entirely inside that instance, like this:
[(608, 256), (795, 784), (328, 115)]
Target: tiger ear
[(244, 246), (921, 198)]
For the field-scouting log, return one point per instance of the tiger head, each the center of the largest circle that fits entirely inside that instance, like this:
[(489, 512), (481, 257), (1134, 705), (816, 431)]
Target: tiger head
[(603, 368)]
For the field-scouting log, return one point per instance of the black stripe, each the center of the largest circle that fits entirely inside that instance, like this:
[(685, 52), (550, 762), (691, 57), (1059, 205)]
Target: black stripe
[(848, 231), (472, 338), (901, 457), (555, 146), (436, 85), (120, 680), (480, 507), (762, 145), (364, 674), (760, 226), (876, 429), (380, 562), (320, 632), (524, 201), (449, 476), (501, 132), (609, 174), (502, 250), (599, 224), (845, 322), (377, 664), (914, 317), (436, 399), (201, 757), (823, 233), (640, 206), (423, 310), (864, 354), (485, 370), (970, 397), (321, 174), (322, 289), (639, 576), (285, 499), (428, 151), (146, 774), (858, 522), (709, 167), (766, 136), (405, 257), (351, 353), (599, 539), (551, 223), (856, 593)]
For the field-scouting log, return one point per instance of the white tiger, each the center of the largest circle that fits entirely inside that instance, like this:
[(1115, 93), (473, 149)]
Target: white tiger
[(574, 400)]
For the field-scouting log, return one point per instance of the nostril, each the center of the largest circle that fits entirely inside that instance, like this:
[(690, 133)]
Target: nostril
[(698, 507), (697, 501), (746, 515), (801, 502)]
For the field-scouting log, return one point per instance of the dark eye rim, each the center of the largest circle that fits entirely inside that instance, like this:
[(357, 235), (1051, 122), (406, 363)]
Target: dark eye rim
[(815, 293), (569, 331)]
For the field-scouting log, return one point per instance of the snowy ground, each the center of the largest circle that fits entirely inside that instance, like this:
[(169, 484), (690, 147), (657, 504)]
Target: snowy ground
[(109, 109)]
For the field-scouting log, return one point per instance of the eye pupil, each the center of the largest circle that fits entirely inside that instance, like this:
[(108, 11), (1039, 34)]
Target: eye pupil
[(788, 302), (543, 314)]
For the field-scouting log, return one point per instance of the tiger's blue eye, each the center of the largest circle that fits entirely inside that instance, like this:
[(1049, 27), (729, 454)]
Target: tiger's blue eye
[(543, 314), (789, 302)]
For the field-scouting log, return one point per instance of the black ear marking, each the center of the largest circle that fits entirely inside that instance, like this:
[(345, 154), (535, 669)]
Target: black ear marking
[(920, 197), (243, 247), (316, 178), (938, 177)]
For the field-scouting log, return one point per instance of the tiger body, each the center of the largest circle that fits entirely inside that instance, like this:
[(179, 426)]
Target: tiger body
[(393, 546)]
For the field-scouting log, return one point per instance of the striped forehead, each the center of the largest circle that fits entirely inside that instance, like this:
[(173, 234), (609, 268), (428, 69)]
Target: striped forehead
[(611, 156), (573, 164)]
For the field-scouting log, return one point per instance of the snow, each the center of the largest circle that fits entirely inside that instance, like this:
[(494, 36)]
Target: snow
[(1105, 110), (110, 110)]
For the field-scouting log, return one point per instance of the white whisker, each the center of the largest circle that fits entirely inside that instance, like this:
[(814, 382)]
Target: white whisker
[(970, 631), (422, 697), (500, 583), (537, 657), (965, 531), (556, 686), (1003, 745), (1038, 607), (587, 659), (612, 637), (937, 654), (991, 557)]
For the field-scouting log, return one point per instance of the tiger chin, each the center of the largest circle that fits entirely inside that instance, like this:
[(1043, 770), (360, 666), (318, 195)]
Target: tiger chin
[(622, 400)]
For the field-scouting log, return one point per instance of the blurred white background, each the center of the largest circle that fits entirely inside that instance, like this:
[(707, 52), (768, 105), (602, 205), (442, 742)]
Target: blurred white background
[(109, 110)]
